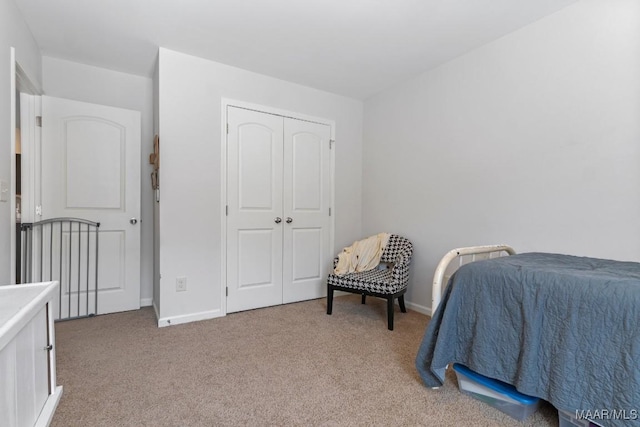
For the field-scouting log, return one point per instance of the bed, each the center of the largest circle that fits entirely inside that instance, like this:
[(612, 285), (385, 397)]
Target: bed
[(562, 328)]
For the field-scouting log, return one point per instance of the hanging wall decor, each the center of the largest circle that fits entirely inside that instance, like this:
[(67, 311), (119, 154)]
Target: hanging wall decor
[(154, 159)]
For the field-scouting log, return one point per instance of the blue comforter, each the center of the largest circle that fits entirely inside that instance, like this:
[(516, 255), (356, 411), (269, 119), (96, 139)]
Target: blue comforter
[(562, 328)]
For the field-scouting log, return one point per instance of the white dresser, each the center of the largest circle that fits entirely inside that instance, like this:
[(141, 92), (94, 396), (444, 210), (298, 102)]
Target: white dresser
[(28, 391)]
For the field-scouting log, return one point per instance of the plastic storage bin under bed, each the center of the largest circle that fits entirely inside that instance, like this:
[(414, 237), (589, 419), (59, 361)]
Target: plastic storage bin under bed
[(498, 394)]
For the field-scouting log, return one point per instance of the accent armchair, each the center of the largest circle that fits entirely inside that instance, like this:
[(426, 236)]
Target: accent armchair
[(388, 281)]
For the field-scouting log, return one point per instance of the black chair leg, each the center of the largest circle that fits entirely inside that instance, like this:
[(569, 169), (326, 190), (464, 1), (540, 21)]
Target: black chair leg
[(401, 303), (390, 313), (364, 297), (329, 299)]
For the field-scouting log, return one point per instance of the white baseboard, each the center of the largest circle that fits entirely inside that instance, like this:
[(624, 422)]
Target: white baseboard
[(419, 308), (415, 307), (186, 318), (146, 302)]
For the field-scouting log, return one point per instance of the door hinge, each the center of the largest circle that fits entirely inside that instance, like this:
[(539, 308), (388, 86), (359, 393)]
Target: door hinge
[(227, 128), (226, 210), (329, 211), (331, 141), (39, 210), (39, 121), (227, 290)]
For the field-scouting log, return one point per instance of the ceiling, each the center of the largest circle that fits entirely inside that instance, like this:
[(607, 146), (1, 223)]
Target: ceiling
[(354, 48)]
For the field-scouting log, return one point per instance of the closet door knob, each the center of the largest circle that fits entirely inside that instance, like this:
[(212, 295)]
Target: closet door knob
[(289, 220), (278, 220)]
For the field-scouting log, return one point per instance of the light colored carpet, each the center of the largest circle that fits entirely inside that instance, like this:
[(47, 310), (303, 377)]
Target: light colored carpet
[(278, 366)]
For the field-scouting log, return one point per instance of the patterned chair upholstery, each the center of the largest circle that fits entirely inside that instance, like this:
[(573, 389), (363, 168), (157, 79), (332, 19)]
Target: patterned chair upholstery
[(390, 283)]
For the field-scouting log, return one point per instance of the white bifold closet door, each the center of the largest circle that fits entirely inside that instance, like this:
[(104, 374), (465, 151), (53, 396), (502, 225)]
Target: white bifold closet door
[(278, 220)]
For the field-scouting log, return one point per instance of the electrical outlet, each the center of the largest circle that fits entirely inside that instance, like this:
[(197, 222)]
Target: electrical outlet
[(181, 284)]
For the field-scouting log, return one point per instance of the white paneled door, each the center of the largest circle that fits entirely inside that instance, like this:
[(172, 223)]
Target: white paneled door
[(278, 219), (254, 220), (91, 170), (307, 195)]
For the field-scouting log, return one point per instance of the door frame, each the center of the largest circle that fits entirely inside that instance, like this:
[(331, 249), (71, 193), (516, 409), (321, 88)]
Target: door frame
[(226, 102), (12, 168), (21, 85), (31, 137)]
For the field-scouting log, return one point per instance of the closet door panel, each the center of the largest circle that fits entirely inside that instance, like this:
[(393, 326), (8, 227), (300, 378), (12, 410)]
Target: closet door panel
[(307, 198), (257, 152), (306, 172), (254, 235), (307, 253)]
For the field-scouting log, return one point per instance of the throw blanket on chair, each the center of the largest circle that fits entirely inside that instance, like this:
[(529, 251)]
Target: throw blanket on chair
[(363, 255)]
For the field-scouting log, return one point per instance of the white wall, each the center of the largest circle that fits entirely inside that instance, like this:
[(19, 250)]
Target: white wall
[(71, 80), (13, 33), (532, 140), (190, 93)]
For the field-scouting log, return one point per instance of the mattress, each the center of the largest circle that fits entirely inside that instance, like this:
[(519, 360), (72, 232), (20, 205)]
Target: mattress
[(562, 328)]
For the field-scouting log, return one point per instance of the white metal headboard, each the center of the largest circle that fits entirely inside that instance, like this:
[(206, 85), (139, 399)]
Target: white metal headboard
[(464, 256)]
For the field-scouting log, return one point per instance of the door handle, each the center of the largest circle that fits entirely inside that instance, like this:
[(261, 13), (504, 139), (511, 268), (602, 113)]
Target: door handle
[(133, 221), (289, 220), (278, 220)]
